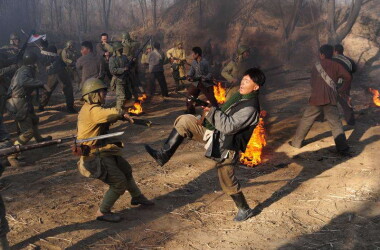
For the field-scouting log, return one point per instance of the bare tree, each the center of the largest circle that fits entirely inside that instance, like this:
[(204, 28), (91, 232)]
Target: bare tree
[(143, 8), (338, 32), (106, 9), (200, 14), (154, 9)]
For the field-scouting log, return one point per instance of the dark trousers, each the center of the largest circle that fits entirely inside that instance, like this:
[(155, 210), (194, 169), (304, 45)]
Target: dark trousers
[(52, 82), (160, 77), (195, 91), (332, 116), (348, 111)]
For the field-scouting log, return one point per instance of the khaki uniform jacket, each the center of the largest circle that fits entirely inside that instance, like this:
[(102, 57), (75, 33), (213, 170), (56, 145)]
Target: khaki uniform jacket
[(69, 56), (177, 53), (94, 120)]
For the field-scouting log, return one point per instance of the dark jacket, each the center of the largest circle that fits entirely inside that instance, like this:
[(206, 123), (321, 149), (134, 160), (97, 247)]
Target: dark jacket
[(233, 128)]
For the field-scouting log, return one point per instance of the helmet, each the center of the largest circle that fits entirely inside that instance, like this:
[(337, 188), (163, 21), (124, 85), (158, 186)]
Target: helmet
[(125, 36), (92, 85), (69, 43), (116, 46), (242, 49), (14, 36), (178, 43), (149, 46), (29, 58)]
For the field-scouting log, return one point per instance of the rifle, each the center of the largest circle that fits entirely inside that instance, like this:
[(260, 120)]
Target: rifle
[(197, 79), (197, 101), (181, 61), (142, 122), (137, 54)]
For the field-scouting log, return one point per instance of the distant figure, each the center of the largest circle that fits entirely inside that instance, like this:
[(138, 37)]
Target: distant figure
[(177, 57), (199, 75), (234, 70), (157, 60), (104, 50), (144, 73), (70, 56), (323, 98), (13, 48), (89, 64), (350, 66)]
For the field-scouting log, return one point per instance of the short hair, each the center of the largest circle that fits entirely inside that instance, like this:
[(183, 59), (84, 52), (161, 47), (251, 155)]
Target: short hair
[(256, 75), (339, 48), (327, 50), (197, 50), (157, 45), (87, 44), (104, 34)]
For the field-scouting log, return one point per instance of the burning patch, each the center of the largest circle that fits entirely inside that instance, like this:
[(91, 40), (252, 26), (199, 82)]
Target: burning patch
[(376, 96), (220, 93), (252, 155)]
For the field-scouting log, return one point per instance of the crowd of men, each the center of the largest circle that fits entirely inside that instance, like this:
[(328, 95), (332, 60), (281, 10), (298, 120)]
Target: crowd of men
[(225, 129)]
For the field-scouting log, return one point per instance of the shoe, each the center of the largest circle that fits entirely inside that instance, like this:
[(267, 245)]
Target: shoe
[(291, 144), (163, 155), (108, 217), (71, 110), (16, 163), (141, 200), (244, 212)]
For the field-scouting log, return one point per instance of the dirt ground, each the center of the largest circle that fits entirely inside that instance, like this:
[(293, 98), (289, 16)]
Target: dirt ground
[(307, 198)]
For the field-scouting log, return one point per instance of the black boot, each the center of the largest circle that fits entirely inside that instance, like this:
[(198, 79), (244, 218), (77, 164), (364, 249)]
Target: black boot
[(163, 155), (244, 212)]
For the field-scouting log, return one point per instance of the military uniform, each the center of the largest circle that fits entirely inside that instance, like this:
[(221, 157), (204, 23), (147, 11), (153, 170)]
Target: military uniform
[(4, 227), (130, 47), (57, 73), (69, 57), (144, 72), (104, 160), (117, 66), (233, 72), (6, 72), (177, 57), (101, 49)]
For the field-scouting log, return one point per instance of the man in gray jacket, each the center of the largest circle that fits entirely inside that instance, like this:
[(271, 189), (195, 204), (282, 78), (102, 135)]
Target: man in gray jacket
[(227, 131), (156, 61)]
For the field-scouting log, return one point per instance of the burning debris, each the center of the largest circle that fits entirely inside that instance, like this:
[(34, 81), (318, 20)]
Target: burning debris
[(376, 96), (220, 93), (252, 155), (137, 106)]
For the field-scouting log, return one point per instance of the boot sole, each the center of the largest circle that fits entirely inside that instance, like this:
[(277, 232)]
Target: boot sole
[(249, 215)]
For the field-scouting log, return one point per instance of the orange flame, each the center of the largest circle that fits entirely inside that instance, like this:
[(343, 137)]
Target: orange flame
[(252, 155), (142, 98), (136, 109), (376, 96), (220, 93)]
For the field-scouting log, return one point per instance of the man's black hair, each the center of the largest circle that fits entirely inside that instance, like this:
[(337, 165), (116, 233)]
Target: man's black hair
[(87, 44), (157, 45), (256, 75), (197, 50), (104, 34), (339, 49), (327, 50)]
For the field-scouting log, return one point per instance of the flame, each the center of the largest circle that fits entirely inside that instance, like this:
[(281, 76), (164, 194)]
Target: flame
[(136, 109), (252, 155), (376, 96), (220, 93), (142, 98)]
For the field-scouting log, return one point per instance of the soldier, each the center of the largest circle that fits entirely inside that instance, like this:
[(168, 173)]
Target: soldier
[(69, 57), (157, 60), (119, 70), (177, 57), (200, 76), (103, 161), (145, 64), (7, 70), (233, 71), (89, 64), (130, 47), (57, 73), (12, 49), (104, 50), (20, 104), (227, 130)]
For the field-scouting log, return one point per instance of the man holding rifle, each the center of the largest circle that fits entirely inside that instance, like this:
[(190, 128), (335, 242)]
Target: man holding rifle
[(101, 159), (177, 57), (200, 76)]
